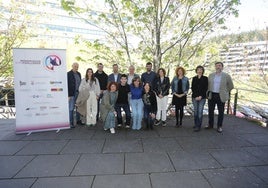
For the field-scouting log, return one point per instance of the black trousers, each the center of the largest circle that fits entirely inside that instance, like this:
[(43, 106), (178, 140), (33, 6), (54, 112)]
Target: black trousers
[(215, 100)]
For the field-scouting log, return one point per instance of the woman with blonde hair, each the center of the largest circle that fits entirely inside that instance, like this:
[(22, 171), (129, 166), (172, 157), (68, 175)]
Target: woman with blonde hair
[(180, 88)]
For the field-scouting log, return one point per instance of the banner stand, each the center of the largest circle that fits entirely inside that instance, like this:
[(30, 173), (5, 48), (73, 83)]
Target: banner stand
[(41, 93)]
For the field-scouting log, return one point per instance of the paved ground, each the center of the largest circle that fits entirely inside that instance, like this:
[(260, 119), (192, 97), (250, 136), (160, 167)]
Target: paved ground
[(162, 158)]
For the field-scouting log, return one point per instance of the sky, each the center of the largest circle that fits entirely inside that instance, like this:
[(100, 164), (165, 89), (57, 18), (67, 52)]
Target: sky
[(253, 14)]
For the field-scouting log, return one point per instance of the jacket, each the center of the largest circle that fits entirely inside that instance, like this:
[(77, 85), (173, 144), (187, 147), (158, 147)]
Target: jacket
[(71, 83), (199, 86), (161, 88), (185, 85), (103, 79), (106, 106), (81, 101), (226, 85), (111, 78)]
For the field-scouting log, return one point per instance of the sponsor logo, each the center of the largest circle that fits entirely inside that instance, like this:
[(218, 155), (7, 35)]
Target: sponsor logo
[(41, 114), (22, 83), (43, 108), (30, 108), (52, 61), (49, 96), (53, 107), (36, 96), (55, 82), (56, 89), (38, 83)]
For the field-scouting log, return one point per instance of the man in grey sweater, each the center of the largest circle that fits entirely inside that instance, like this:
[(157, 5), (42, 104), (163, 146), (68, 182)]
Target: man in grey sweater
[(219, 86)]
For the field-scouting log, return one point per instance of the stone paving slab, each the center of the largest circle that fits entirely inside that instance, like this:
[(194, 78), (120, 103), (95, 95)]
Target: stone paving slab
[(256, 139), (11, 147), (122, 181), (17, 183), (235, 158), (83, 146), (261, 172), (233, 177), (64, 182), (161, 145), (49, 166), (187, 179), (10, 135), (147, 162), (94, 164), (193, 160), (43, 147), (10, 165), (122, 146), (260, 152)]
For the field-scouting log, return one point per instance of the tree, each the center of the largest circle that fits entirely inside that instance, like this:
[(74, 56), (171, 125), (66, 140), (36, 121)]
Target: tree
[(13, 32), (167, 30)]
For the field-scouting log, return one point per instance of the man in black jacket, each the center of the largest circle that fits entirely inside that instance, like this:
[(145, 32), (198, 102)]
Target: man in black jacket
[(103, 80), (74, 79)]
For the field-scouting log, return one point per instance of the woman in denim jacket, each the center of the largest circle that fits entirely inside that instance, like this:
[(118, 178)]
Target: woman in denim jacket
[(180, 88)]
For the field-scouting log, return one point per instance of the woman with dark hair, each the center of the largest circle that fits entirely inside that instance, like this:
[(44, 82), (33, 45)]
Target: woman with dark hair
[(199, 89), (161, 88), (91, 85), (136, 103), (150, 105), (107, 109), (180, 88)]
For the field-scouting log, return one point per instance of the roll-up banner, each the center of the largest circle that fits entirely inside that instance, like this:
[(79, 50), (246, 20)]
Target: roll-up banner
[(41, 94)]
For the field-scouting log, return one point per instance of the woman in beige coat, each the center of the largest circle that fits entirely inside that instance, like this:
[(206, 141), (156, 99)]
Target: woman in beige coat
[(91, 85)]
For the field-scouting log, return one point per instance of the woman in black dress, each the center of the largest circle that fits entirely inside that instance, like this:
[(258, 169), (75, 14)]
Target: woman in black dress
[(180, 87)]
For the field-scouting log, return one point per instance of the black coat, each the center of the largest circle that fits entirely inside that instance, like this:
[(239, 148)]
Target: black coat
[(199, 86), (161, 87), (71, 83)]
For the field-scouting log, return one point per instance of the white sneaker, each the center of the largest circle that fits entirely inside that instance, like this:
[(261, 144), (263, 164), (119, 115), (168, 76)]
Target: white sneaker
[(105, 129), (119, 125), (112, 130), (127, 126)]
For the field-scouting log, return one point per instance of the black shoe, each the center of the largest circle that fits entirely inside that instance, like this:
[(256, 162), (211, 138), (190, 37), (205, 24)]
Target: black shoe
[(80, 123), (72, 126), (196, 129), (208, 127)]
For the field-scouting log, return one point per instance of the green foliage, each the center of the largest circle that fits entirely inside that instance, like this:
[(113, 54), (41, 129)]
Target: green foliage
[(14, 23), (169, 31)]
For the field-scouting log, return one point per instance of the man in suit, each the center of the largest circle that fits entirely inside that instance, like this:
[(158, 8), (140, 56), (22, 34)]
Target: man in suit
[(219, 86), (115, 76)]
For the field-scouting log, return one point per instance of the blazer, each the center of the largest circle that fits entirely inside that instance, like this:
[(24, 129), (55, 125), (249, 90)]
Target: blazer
[(226, 85), (111, 78)]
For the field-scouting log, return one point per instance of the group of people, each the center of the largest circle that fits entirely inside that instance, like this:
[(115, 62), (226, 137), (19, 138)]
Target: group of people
[(145, 97)]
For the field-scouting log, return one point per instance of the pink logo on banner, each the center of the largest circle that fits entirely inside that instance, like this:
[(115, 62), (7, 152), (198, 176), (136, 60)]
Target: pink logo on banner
[(52, 61)]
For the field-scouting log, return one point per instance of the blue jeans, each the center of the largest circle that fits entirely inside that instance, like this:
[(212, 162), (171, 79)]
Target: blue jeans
[(198, 111), (137, 113), (119, 114), (71, 109)]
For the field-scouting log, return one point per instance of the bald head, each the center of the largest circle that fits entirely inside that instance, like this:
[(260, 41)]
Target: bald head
[(75, 67)]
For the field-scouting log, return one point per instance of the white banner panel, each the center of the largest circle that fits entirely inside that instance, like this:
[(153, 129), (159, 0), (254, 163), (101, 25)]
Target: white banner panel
[(41, 93)]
